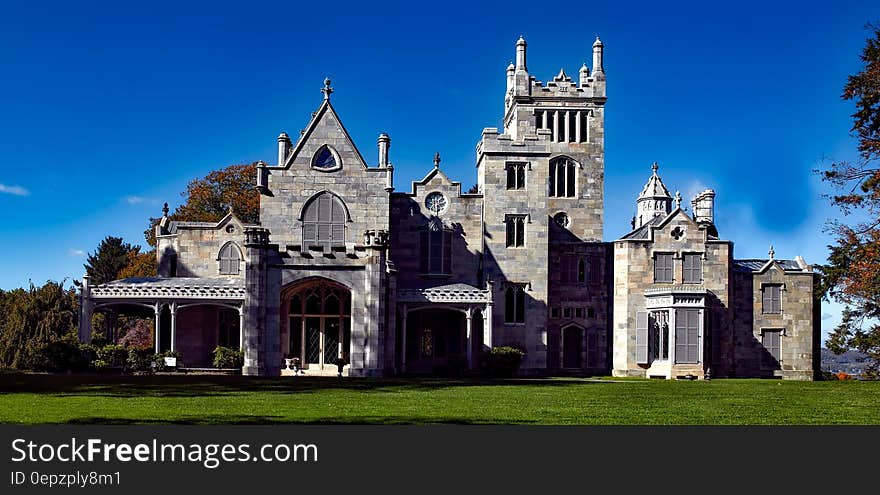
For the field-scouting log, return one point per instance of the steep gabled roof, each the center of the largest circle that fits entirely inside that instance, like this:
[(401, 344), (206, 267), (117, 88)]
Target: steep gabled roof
[(319, 114)]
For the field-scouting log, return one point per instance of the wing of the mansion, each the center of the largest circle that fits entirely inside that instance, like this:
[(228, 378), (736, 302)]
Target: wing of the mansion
[(343, 265)]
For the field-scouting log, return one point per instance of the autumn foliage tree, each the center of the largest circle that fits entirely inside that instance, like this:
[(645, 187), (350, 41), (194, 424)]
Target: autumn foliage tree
[(852, 275), (210, 198)]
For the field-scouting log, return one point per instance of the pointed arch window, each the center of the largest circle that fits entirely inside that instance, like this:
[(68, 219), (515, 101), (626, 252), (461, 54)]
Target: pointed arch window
[(230, 260), (324, 220), (563, 178), (436, 249), (326, 159)]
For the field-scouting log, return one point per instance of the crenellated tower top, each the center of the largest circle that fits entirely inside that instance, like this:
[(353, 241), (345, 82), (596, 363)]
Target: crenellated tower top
[(527, 98)]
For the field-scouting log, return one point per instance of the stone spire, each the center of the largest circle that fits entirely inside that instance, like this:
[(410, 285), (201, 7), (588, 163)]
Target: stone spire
[(584, 74), (654, 200), (598, 56), (327, 89), (521, 54)]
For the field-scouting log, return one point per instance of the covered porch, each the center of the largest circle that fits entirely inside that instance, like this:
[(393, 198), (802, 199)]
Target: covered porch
[(191, 316), (443, 327)]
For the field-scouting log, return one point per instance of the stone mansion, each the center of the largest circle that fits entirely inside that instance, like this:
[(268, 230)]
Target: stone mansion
[(344, 265)]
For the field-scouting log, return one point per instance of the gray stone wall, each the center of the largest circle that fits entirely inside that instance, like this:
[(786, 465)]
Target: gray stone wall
[(583, 304), (634, 274), (798, 342), (292, 185), (410, 216), (197, 249)]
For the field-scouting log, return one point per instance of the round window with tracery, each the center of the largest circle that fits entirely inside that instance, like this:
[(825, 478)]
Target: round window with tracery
[(562, 220), (435, 202)]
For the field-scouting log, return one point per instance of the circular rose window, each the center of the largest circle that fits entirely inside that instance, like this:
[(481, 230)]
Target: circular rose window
[(435, 202), (562, 220)]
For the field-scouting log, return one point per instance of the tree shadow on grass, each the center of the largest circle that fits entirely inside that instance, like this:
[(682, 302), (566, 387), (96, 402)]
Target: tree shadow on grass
[(278, 420), (125, 386)]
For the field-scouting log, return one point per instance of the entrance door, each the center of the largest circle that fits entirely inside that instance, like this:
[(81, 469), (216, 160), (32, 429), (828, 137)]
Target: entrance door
[(320, 322), (572, 342)]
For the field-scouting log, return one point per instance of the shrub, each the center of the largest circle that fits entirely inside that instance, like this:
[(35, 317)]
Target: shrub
[(60, 356), (111, 356), (224, 357), (159, 360), (502, 361), (138, 359)]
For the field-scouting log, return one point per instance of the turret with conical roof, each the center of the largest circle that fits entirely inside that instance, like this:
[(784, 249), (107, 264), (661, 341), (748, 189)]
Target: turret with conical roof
[(654, 200)]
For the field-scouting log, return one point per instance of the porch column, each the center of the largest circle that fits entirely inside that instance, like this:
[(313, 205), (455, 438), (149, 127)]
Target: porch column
[(487, 326), (470, 347), (158, 309), (173, 309), (241, 328), (403, 341)]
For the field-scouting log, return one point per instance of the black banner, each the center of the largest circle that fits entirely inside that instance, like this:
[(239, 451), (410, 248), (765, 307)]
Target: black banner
[(408, 459)]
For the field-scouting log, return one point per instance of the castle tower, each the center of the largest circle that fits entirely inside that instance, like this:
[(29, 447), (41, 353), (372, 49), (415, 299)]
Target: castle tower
[(654, 200), (541, 177)]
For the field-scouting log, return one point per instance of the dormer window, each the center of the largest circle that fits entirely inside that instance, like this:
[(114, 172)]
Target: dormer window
[(229, 259), (326, 159)]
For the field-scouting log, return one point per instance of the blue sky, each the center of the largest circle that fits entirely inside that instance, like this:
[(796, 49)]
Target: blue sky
[(108, 109)]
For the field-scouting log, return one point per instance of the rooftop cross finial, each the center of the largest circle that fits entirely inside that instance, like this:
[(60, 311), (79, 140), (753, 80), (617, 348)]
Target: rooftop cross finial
[(437, 160), (678, 199), (165, 210), (772, 253), (327, 89)]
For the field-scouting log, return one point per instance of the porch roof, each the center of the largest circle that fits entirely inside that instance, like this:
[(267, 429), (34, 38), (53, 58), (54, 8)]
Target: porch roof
[(158, 288), (451, 293)]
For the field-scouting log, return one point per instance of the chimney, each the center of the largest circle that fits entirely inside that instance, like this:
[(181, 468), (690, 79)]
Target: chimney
[(283, 148), (704, 207), (384, 144)]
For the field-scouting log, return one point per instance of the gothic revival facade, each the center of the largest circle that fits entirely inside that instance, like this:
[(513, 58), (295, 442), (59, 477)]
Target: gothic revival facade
[(343, 265)]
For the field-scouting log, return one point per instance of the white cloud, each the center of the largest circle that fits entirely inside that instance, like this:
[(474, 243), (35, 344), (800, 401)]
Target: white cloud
[(14, 190), (136, 200), (693, 188), (76, 252)]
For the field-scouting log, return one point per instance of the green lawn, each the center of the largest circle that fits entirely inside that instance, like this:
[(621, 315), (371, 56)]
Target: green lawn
[(77, 399)]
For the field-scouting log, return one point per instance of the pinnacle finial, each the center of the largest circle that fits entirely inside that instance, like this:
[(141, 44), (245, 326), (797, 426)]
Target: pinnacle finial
[(654, 167), (327, 89), (165, 210), (678, 199), (772, 253), (437, 160)]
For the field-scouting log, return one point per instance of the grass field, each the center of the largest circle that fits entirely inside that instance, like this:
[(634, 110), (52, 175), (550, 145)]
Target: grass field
[(79, 399)]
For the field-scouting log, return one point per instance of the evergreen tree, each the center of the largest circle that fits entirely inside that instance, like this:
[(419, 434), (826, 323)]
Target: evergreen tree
[(108, 260), (853, 273)]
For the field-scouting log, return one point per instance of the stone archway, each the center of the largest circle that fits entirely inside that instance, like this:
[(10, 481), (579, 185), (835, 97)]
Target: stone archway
[(317, 316), (436, 338)]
